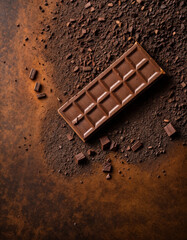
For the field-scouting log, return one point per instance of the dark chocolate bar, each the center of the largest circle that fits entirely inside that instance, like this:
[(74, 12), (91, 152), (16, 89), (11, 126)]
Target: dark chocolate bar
[(110, 92)]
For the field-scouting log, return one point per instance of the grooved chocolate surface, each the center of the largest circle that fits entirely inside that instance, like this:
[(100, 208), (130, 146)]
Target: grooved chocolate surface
[(108, 93)]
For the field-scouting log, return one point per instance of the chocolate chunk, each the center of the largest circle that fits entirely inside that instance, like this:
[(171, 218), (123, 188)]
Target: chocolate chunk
[(80, 158), (110, 4), (163, 6), (68, 56), (69, 137), (136, 146), (108, 177), (76, 69), (107, 167), (128, 148), (170, 130), (91, 152), (37, 87), (87, 69), (105, 142), (113, 146), (88, 5), (101, 19), (41, 95), (33, 74), (59, 99), (72, 20), (183, 84), (108, 160), (83, 31)]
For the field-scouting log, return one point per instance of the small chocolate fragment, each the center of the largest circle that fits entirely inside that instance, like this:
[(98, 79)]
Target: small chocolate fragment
[(72, 20), (113, 146), (59, 99), (80, 158), (69, 137), (68, 56), (91, 152), (183, 84), (88, 5), (101, 19), (33, 73), (110, 4), (41, 95), (76, 69), (108, 177), (136, 146), (107, 167), (108, 160), (170, 130), (105, 142), (128, 148), (87, 69), (37, 87)]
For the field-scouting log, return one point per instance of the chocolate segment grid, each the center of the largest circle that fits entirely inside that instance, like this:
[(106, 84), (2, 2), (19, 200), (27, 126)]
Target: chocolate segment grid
[(108, 93)]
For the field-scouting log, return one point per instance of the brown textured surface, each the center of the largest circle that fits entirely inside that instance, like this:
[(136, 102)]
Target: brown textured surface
[(37, 201), (110, 92)]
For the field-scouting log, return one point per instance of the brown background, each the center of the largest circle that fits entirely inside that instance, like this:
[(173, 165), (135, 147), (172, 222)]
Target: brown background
[(36, 203)]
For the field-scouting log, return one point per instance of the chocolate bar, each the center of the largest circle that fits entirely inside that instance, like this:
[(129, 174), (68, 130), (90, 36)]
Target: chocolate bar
[(110, 92)]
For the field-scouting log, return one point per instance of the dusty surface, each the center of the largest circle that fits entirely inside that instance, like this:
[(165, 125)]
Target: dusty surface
[(74, 32), (38, 203)]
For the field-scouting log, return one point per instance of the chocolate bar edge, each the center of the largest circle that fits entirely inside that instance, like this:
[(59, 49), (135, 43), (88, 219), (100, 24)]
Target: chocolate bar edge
[(162, 72)]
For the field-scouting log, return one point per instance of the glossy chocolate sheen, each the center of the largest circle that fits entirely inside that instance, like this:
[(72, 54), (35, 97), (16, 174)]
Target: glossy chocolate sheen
[(110, 92)]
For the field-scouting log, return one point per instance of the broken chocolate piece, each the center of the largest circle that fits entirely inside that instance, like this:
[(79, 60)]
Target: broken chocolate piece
[(76, 69), (80, 158), (111, 91), (69, 137), (183, 84), (107, 167), (87, 69), (113, 146), (41, 95), (33, 73), (91, 152), (128, 148), (101, 19), (108, 177), (105, 142), (170, 130), (88, 5), (136, 146), (37, 87), (68, 56)]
